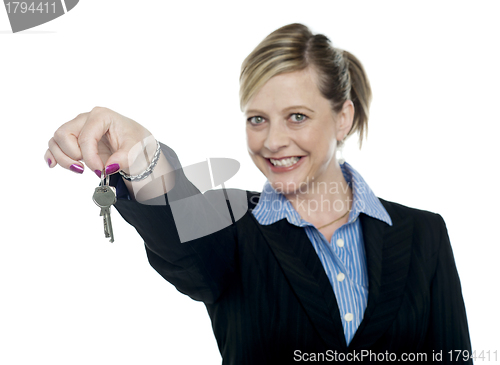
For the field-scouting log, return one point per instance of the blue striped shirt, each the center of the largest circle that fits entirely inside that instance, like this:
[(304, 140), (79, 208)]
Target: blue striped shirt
[(343, 258)]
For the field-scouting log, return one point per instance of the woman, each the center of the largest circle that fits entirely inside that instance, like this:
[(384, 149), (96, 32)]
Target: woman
[(314, 268)]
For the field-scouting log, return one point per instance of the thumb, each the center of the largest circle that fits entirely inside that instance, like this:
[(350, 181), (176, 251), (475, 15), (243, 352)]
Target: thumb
[(116, 162), (132, 157)]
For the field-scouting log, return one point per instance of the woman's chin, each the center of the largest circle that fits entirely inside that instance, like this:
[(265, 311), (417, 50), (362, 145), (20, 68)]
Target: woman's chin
[(285, 187)]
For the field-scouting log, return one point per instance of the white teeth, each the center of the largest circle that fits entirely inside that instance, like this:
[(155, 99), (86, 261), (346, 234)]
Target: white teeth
[(285, 162)]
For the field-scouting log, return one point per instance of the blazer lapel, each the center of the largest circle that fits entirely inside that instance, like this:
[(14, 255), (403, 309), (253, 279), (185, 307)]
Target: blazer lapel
[(388, 254), (306, 275)]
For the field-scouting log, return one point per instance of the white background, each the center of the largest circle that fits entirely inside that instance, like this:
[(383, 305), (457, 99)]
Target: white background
[(68, 296)]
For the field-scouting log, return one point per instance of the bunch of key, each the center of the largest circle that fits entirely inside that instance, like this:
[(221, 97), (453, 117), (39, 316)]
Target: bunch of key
[(105, 196)]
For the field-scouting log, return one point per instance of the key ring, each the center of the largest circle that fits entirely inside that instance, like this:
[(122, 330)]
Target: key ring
[(104, 176)]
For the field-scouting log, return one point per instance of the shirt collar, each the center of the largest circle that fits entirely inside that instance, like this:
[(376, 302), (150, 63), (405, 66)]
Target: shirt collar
[(274, 206)]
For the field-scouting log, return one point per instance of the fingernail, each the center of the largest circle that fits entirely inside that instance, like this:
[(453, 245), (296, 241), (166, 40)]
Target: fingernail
[(76, 168), (49, 162), (98, 173), (111, 169)]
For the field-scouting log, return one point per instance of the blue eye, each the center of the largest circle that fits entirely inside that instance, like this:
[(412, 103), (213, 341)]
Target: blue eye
[(301, 117), (256, 120)]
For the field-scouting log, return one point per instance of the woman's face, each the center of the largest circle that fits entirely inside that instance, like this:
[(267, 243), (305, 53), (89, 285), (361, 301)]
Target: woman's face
[(292, 132)]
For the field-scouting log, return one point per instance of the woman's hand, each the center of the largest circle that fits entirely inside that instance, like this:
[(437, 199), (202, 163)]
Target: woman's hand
[(101, 138)]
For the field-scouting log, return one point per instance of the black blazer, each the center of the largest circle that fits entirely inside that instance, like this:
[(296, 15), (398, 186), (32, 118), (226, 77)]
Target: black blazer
[(269, 298)]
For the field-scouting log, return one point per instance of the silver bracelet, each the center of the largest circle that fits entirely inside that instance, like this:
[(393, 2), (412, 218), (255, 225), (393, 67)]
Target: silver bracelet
[(148, 170)]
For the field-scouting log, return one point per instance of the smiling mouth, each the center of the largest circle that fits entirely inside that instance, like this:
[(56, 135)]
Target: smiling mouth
[(285, 162)]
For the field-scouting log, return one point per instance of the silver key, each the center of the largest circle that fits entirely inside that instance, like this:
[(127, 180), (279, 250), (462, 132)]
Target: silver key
[(105, 196), (108, 228)]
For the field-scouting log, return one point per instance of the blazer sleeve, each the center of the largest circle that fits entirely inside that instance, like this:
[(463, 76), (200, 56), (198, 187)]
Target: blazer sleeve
[(448, 328), (189, 237)]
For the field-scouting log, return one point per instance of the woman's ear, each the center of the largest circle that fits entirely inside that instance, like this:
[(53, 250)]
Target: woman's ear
[(345, 119)]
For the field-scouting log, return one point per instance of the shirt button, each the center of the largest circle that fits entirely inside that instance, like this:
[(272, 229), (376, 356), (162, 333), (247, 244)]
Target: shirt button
[(340, 242), (340, 277), (348, 317)]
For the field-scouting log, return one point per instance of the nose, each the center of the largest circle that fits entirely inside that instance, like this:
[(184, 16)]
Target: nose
[(277, 137)]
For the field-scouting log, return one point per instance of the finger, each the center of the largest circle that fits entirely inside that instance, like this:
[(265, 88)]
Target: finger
[(64, 160), (96, 125), (49, 158), (66, 137)]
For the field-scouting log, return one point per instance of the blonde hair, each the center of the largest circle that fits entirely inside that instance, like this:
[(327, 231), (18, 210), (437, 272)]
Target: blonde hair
[(293, 47)]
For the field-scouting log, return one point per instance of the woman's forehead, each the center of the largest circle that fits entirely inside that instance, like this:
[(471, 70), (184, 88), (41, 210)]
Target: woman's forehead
[(297, 88)]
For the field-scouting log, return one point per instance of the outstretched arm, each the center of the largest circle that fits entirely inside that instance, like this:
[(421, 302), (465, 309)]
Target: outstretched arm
[(189, 239)]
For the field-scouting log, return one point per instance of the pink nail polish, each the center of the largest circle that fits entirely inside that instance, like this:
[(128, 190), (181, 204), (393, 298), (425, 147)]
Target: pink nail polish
[(98, 173), (111, 169), (76, 168), (49, 162)]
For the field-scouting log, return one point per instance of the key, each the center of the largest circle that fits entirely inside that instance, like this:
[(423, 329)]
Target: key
[(105, 196), (108, 228)]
